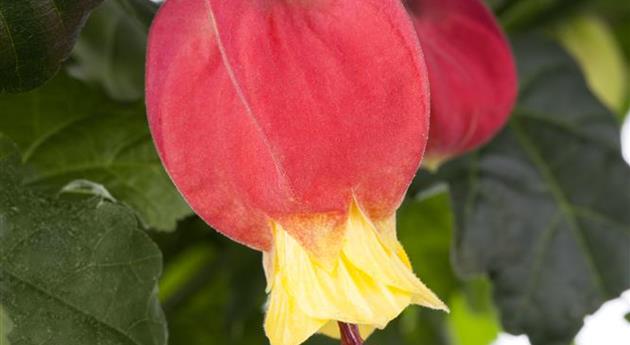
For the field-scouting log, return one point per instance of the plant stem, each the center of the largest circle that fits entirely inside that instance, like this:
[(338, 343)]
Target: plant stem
[(350, 334)]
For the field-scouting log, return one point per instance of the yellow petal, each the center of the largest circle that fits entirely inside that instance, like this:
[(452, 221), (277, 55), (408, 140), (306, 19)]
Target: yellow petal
[(291, 326), (370, 283)]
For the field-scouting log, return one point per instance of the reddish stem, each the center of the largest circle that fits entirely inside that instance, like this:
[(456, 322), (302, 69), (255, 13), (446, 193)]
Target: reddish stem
[(350, 334)]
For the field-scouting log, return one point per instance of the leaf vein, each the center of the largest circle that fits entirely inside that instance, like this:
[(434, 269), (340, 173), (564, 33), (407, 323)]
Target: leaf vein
[(12, 41), (563, 202), (66, 304)]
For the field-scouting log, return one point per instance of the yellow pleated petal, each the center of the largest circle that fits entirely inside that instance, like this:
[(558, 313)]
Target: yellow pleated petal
[(370, 283), (286, 323)]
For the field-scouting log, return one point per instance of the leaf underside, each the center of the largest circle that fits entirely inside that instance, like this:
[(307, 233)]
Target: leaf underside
[(36, 37)]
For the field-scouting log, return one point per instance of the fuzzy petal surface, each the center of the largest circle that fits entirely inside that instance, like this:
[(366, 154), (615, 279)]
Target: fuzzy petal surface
[(287, 110)]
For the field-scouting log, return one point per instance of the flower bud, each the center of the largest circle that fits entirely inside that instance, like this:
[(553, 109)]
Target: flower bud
[(472, 74)]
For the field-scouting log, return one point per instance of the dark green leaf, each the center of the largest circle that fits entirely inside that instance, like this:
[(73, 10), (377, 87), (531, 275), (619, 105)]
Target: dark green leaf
[(183, 269), (473, 320), (111, 49), (68, 131), (543, 209), (7, 147), (519, 15), (74, 273), (424, 228), (414, 326), (143, 10), (36, 37), (217, 298), (6, 327)]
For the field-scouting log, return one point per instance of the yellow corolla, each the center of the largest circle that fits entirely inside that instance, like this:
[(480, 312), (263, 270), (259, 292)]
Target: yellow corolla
[(368, 284)]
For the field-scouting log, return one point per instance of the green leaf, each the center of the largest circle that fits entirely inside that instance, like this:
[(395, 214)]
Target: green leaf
[(7, 147), (424, 228), (6, 327), (592, 43), (111, 48), (415, 326), (217, 298), (518, 15), (36, 37), (543, 209), (472, 319), (143, 10), (74, 273), (185, 268), (617, 14), (68, 131)]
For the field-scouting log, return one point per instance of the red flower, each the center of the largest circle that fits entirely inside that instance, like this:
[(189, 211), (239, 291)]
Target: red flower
[(286, 110), (296, 126), (471, 71)]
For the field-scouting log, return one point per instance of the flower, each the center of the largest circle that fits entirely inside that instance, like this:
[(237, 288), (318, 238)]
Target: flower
[(472, 74), (295, 127)]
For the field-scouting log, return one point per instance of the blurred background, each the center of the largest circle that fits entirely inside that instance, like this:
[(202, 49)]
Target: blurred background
[(212, 290)]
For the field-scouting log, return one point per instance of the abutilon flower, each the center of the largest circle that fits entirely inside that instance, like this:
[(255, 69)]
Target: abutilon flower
[(296, 126), (472, 74)]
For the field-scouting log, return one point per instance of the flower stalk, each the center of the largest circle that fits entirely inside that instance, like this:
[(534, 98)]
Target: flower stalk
[(350, 334)]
